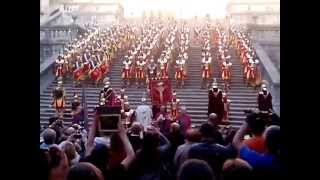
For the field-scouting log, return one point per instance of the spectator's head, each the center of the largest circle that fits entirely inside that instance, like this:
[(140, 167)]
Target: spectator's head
[(235, 169), (255, 124), (53, 119), (195, 169), (69, 131), (99, 156), (213, 118), (272, 139), (49, 136), (68, 148), (151, 140), (136, 128), (57, 163), (84, 171), (193, 135), (174, 127), (207, 131)]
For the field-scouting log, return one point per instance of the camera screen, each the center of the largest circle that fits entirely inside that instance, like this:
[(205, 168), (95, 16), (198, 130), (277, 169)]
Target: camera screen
[(109, 123)]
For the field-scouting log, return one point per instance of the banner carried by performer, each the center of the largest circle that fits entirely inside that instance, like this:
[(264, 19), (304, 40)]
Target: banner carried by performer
[(160, 91)]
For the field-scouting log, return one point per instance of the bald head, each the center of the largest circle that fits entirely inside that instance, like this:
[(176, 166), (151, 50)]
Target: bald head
[(84, 170), (234, 169), (212, 119), (49, 136), (193, 135), (174, 127), (69, 131)]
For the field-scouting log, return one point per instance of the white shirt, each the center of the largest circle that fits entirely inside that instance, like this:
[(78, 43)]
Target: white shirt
[(144, 115)]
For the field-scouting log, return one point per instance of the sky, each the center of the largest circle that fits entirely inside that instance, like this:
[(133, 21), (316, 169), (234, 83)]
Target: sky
[(182, 8)]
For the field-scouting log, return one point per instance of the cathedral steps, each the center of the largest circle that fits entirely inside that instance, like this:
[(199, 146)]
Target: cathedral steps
[(195, 99)]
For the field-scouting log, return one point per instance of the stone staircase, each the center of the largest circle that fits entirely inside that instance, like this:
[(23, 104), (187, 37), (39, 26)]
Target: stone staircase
[(194, 98)]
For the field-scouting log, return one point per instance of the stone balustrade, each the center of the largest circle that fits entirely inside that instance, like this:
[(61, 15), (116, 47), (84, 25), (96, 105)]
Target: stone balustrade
[(270, 74), (261, 33), (58, 33)]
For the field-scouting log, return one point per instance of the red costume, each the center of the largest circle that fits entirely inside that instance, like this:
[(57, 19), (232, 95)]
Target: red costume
[(174, 106), (59, 68), (58, 99), (206, 68), (226, 70), (79, 72), (265, 101), (140, 74), (215, 103), (180, 72), (126, 69)]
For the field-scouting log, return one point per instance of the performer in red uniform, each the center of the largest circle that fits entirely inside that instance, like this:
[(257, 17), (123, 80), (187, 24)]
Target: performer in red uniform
[(215, 104), (78, 73), (140, 71), (58, 102), (152, 69), (206, 70), (175, 105), (180, 74), (59, 67), (251, 72), (94, 73), (265, 101), (163, 66), (126, 71), (226, 71)]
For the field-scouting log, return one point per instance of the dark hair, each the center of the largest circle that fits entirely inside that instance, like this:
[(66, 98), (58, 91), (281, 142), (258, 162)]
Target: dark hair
[(74, 105), (193, 135), (236, 169), (207, 130), (273, 139), (195, 169), (255, 124), (84, 171), (151, 140), (99, 156), (53, 119)]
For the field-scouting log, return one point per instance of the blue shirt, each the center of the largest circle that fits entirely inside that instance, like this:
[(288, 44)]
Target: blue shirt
[(259, 161)]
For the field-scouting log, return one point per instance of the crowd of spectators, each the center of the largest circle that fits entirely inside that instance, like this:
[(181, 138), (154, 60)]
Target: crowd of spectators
[(149, 153)]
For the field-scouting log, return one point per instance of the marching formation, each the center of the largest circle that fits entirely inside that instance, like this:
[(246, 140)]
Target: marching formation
[(180, 63), (248, 57), (149, 56), (90, 56), (139, 64)]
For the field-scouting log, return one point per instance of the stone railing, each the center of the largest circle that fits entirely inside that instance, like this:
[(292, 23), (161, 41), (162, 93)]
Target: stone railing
[(270, 74), (49, 18), (58, 33), (46, 72), (267, 33)]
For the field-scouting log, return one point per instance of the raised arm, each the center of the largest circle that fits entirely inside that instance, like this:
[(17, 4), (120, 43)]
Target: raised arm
[(164, 141), (237, 139), (130, 155), (92, 135)]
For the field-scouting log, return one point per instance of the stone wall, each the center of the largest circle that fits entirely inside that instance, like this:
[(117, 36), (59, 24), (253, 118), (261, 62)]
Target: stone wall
[(269, 39), (270, 74)]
